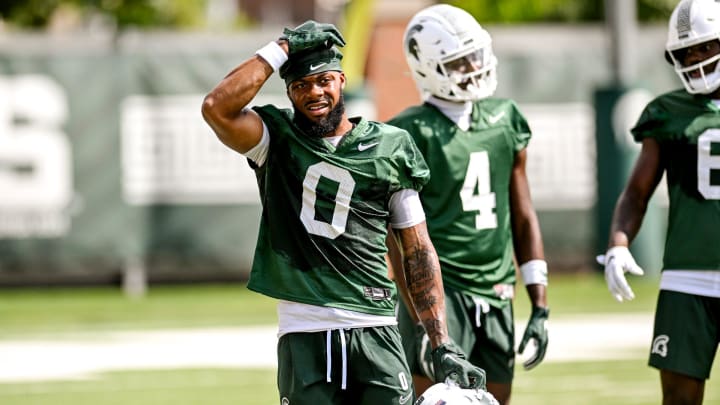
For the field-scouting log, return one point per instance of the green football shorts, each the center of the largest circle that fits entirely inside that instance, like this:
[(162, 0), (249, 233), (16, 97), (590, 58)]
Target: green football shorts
[(490, 346), (350, 366), (686, 333)]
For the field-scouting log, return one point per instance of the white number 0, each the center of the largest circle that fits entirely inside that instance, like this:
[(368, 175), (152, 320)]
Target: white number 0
[(342, 200), (706, 163), (476, 195)]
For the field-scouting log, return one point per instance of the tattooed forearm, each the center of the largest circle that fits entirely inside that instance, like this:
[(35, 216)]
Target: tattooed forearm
[(419, 265), (420, 279), (425, 299), (433, 327), (423, 281)]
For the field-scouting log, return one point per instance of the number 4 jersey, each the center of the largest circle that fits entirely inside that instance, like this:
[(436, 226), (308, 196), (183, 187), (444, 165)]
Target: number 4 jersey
[(687, 128), (325, 213), (467, 201)]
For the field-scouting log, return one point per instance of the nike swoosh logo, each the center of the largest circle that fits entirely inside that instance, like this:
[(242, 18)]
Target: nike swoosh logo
[(495, 118), (362, 147), (318, 66), (404, 399)]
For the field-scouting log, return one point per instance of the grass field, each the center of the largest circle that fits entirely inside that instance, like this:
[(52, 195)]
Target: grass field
[(56, 313)]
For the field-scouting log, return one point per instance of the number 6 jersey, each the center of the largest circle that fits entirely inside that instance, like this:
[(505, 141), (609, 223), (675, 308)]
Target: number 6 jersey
[(687, 128), (325, 213)]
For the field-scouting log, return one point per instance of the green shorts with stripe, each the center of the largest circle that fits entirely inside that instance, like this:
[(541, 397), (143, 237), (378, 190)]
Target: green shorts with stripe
[(686, 333), (486, 334), (350, 366)]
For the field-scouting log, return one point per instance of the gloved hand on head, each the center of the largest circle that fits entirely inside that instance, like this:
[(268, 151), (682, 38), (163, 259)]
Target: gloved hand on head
[(310, 35)]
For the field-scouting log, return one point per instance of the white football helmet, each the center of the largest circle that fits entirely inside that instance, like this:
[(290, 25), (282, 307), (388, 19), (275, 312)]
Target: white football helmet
[(451, 394), (450, 54), (694, 22)]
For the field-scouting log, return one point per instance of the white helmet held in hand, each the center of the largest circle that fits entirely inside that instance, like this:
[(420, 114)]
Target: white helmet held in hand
[(694, 22), (451, 394), (450, 54)]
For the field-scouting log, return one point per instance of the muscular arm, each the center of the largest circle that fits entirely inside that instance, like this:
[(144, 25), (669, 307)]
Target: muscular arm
[(225, 107), (527, 238), (422, 279), (394, 261), (632, 203)]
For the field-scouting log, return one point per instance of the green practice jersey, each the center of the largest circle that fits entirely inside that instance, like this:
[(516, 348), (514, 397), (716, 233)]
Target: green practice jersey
[(687, 128), (467, 201), (325, 213)]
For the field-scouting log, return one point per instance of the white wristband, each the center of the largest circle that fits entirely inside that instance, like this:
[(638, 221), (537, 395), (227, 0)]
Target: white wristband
[(534, 272), (273, 55)]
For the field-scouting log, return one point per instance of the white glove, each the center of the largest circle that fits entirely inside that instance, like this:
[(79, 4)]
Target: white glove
[(618, 260)]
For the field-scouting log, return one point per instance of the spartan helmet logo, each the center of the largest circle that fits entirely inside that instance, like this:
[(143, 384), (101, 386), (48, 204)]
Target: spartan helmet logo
[(660, 345), (412, 45)]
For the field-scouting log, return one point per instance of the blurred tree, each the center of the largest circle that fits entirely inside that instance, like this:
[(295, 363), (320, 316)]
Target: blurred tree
[(125, 13), (192, 13), (529, 11)]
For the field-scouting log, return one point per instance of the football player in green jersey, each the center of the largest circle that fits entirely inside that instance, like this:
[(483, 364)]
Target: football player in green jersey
[(680, 136), (477, 202), (330, 186)]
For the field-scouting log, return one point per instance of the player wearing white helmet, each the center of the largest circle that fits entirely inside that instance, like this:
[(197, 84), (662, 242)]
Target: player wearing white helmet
[(477, 203), (695, 23), (439, 40), (680, 136)]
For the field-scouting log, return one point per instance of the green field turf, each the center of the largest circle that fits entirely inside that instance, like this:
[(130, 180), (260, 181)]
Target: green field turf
[(28, 311), (626, 382), (44, 313)]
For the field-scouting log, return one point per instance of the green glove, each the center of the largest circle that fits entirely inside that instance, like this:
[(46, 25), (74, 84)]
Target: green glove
[(449, 362), (536, 329), (311, 34)]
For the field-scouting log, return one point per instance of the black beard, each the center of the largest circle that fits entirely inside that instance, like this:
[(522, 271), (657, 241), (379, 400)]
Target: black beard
[(326, 125)]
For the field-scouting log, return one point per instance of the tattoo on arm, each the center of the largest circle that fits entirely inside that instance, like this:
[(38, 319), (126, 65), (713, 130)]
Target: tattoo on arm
[(420, 279)]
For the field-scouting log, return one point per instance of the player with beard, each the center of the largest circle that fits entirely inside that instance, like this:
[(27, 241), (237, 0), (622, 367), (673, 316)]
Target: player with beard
[(330, 186)]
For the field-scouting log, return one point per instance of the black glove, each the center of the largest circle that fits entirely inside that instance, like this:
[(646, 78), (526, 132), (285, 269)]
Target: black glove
[(449, 362), (536, 329), (311, 34)]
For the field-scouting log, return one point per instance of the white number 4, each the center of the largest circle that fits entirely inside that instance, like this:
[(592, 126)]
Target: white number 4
[(476, 194)]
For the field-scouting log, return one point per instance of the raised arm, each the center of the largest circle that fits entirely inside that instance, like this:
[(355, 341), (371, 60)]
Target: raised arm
[(225, 107)]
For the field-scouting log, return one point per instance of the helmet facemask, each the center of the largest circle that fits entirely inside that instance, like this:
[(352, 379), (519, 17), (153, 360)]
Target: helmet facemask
[(471, 74), (695, 24), (702, 77)]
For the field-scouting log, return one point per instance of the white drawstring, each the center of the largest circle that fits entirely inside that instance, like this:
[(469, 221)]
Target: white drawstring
[(481, 307), (344, 359), (328, 347), (329, 355)]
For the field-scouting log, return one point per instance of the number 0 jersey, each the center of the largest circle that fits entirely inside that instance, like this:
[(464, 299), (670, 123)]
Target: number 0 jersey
[(687, 128), (325, 213), (467, 201)]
